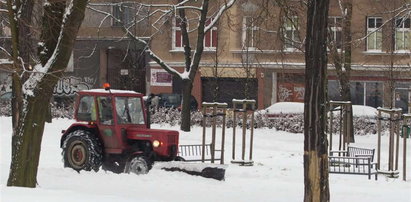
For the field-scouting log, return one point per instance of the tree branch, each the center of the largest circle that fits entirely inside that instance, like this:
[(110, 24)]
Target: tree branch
[(220, 12)]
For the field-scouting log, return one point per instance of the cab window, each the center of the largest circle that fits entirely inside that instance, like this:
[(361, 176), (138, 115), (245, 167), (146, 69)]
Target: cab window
[(87, 109), (105, 110), (129, 110)]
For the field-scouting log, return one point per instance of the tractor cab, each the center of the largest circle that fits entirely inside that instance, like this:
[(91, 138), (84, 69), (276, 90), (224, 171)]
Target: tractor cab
[(114, 131)]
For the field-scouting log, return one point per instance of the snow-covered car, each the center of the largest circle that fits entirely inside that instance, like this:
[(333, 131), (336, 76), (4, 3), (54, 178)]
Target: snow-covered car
[(294, 108), (284, 108)]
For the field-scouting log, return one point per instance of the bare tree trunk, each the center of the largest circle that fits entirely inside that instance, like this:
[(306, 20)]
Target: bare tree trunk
[(17, 102), (342, 60), (187, 84), (185, 110), (345, 79), (27, 136), (315, 139)]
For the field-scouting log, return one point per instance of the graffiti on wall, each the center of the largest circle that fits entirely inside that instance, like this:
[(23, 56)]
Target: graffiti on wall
[(283, 94), (69, 86), (291, 92), (66, 86)]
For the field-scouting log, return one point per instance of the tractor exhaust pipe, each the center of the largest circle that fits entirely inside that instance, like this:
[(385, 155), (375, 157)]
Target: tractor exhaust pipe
[(148, 110)]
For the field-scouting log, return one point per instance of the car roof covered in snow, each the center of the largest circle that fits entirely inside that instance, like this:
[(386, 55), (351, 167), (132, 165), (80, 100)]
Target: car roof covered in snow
[(298, 108)]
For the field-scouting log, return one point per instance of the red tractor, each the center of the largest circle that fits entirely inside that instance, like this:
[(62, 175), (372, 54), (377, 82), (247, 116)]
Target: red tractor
[(113, 131)]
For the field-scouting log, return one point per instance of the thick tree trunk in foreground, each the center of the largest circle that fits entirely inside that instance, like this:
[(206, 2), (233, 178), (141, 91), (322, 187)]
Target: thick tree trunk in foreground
[(27, 136), (315, 139)]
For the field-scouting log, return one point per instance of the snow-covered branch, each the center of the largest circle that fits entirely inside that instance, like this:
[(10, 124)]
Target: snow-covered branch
[(218, 15), (153, 56), (6, 52), (72, 19)]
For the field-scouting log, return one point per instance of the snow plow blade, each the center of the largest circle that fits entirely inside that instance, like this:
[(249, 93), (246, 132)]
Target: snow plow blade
[(206, 170)]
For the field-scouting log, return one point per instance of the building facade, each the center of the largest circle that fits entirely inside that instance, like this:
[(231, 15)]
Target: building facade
[(255, 51)]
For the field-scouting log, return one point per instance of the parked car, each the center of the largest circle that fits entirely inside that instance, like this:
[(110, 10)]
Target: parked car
[(284, 108), (173, 100), (293, 108)]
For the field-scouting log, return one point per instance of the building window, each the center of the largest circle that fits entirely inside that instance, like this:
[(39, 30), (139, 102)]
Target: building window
[(374, 39), (250, 32), (335, 31), (123, 14), (402, 96), (291, 37), (402, 34), (177, 42), (211, 37), (369, 93)]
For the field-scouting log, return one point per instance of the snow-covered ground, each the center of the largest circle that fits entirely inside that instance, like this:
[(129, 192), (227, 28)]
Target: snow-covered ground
[(276, 176)]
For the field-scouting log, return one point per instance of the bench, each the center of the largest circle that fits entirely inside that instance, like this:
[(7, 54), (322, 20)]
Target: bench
[(356, 152), (352, 165), (353, 161), (193, 152)]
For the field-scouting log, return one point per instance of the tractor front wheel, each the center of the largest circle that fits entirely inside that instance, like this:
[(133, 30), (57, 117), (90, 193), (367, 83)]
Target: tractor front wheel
[(82, 151), (138, 165)]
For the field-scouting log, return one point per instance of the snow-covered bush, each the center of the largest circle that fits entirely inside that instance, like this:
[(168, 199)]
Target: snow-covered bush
[(293, 123), (57, 111), (5, 108)]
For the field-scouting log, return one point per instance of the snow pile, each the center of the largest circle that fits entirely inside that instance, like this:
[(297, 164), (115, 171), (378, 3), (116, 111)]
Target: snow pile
[(277, 174)]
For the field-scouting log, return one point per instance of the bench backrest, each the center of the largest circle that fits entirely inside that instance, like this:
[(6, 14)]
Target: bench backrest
[(355, 151)]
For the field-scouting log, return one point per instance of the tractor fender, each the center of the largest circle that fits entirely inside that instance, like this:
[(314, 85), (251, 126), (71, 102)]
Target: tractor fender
[(77, 126)]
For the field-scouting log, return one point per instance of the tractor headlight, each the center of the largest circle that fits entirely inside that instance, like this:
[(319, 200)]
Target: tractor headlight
[(156, 143)]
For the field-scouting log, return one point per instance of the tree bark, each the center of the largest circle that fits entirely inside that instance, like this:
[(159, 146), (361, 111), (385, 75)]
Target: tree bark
[(192, 67), (27, 137), (315, 139), (342, 61), (185, 105), (345, 78)]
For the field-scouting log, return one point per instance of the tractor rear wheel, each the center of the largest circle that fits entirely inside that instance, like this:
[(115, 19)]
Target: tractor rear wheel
[(82, 151), (138, 165)]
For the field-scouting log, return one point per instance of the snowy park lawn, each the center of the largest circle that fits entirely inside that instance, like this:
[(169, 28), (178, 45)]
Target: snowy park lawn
[(276, 176)]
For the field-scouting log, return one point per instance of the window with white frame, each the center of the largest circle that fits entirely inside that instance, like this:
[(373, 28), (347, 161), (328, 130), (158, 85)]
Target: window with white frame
[(335, 31), (374, 32), (123, 14), (291, 37), (402, 34), (177, 38), (211, 37), (250, 32)]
